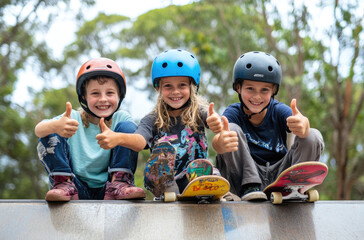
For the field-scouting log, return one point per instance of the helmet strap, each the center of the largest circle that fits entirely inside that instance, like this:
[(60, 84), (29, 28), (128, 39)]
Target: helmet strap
[(84, 105)]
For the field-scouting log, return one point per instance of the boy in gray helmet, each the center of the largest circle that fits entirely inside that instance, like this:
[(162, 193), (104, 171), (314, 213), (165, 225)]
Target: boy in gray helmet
[(261, 124)]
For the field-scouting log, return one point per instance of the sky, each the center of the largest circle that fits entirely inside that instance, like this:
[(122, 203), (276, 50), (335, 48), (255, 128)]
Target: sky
[(62, 33)]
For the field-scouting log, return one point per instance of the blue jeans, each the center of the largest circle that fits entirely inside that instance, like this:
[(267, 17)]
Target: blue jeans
[(54, 153)]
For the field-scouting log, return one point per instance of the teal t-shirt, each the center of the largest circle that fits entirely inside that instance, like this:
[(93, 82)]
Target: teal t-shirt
[(89, 161)]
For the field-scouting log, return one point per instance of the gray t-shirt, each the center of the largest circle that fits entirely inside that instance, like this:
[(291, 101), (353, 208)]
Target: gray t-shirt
[(188, 144)]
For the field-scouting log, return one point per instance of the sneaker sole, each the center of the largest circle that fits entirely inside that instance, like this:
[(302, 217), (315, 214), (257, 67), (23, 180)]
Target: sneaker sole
[(254, 196), (57, 198), (135, 195)]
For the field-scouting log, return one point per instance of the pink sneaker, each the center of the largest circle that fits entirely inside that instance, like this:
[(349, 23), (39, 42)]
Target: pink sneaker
[(62, 190), (123, 188)]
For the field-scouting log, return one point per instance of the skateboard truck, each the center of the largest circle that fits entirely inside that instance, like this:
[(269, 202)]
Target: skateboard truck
[(294, 194)]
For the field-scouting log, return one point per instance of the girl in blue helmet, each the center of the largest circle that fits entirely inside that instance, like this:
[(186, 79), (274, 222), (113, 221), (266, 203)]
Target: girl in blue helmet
[(175, 129), (261, 124)]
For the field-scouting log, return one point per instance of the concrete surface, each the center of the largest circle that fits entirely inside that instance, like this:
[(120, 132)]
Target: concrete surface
[(37, 219)]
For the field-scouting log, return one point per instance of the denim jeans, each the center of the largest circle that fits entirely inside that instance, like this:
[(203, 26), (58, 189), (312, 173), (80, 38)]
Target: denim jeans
[(54, 153)]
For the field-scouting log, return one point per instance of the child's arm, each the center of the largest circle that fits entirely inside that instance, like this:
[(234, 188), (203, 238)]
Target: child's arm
[(65, 126), (109, 139), (213, 120), (297, 123), (226, 140)]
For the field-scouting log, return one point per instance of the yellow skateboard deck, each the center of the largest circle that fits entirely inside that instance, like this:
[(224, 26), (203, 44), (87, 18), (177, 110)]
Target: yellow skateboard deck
[(204, 189)]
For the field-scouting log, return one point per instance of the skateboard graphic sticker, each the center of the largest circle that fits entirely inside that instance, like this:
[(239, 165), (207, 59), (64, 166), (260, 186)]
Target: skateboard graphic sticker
[(205, 188), (294, 183), (197, 168), (159, 170)]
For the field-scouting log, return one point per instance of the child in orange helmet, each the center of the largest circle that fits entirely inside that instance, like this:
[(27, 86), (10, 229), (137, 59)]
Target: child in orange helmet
[(78, 165)]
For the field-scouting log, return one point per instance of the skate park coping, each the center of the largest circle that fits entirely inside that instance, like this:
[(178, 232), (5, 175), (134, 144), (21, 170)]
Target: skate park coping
[(38, 219)]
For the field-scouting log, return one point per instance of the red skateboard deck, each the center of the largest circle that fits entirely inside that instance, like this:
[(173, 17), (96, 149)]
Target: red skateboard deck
[(294, 183)]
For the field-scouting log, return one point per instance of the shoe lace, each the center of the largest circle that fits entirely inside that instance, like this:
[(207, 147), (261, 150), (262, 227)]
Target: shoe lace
[(65, 186)]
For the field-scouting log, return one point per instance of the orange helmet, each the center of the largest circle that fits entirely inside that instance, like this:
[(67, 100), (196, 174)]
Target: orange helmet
[(99, 67)]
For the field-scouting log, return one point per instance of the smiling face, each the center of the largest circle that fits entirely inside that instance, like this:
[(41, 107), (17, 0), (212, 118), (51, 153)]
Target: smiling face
[(255, 95), (175, 91), (102, 96)]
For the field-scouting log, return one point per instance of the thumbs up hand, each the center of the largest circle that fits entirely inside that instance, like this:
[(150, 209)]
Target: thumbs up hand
[(226, 140), (297, 123), (67, 127), (213, 120), (107, 139)]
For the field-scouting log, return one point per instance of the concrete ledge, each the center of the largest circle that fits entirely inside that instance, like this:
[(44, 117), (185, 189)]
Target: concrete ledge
[(37, 219)]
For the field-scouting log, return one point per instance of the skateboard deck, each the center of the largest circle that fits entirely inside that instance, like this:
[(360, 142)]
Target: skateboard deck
[(159, 170), (197, 168), (294, 183), (203, 189)]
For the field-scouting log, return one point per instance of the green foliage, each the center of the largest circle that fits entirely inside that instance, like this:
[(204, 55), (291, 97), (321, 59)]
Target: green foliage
[(52, 102), (21, 174), (217, 32)]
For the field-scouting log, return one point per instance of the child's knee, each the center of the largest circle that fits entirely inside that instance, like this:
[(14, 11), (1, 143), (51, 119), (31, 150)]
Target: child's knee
[(314, 140), (125, 127), (48, 144), (234, 127)]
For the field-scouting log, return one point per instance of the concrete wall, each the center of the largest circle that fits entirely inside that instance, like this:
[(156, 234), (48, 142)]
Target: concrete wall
[(37, 219)]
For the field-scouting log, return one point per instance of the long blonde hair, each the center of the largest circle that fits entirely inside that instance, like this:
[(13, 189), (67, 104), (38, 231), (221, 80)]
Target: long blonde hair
[(191, 115), (85, 116)]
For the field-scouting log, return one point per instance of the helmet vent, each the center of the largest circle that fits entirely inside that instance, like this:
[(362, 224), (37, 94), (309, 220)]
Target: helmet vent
[(270, 68), (179, 64), (249, 65), (164, 65), (278, 63), (109, 66), (88, 67), (192, 56)]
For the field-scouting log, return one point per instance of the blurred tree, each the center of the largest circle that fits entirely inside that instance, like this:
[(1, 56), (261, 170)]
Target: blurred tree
[(219, 31), (21, 174), (340, 89), (326, 72), (325, 78)]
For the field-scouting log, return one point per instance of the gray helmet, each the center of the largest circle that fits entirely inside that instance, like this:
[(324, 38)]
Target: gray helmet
[(257, 66)]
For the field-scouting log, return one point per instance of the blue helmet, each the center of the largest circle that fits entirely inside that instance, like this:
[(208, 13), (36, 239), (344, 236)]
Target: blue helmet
[(173, 63), (257, 66)]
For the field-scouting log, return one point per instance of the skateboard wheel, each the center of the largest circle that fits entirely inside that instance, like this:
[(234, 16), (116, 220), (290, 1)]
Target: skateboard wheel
[(170, 197), (276, 197), (313, 196)]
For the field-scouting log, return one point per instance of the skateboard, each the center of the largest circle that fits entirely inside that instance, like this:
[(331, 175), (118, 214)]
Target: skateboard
[(159, 170), (294, 183), (197, 168), (202, 189)]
